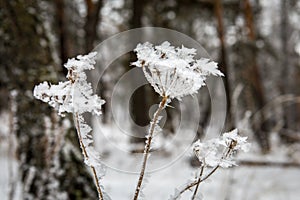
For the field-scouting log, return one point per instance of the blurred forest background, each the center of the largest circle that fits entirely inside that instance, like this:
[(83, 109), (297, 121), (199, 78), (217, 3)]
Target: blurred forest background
[(255, 42)]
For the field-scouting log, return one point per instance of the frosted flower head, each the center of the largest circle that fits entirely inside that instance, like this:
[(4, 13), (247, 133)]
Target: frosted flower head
[(77, 66), (235, 141), (76, 94), (174, 72), (211, 152), (207, 152)]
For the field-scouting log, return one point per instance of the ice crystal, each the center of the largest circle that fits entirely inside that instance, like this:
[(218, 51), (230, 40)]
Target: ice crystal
[(174, 72)]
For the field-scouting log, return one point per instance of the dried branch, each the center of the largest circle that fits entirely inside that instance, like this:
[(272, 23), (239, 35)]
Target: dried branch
[(199, 179), (227, 152), (85, 154), (148, 144)]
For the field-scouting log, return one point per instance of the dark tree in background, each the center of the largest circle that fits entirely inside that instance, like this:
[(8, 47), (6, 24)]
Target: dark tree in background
[(218, 9), (247, 74), (46, 170), (91, 23), (141, 98)]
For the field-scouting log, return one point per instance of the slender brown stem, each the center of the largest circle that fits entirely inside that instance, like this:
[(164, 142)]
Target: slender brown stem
[(198, 181), (85, 154), (148, 144), (210, 173)]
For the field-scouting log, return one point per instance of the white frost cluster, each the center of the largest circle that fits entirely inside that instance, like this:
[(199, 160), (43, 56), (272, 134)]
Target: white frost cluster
[(240, 143), (207, 152), (173, 72), (218, 151), (76, 94)]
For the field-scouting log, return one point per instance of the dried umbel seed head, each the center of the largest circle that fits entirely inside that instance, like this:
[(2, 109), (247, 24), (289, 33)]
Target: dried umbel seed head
[(173, 72), (234, 141), (232, 144), (74, 95), (210, 151)]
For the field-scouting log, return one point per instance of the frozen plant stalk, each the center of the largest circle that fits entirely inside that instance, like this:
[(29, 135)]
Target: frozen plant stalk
[(173, 73), (76, 96), (215, 153)]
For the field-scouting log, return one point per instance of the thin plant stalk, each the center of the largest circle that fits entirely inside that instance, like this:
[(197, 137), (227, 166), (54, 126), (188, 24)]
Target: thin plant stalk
[(199, 178), (148, 145), (196, 182), (85, 154)]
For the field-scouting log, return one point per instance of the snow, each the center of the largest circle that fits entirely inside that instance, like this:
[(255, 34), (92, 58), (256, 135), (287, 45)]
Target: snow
[(248, 183)]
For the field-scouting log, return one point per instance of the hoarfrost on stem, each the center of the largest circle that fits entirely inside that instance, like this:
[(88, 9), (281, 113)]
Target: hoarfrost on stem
[(173, 72), (218, 151), (76, 96), (207, 152), (240, 142), (215, 153)]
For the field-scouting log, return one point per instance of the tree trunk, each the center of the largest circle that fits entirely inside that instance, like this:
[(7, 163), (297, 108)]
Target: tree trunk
[(253, 82), (62, 33), (139, 106), (287, 72), (46, 170), (218, 8), (91, 23)]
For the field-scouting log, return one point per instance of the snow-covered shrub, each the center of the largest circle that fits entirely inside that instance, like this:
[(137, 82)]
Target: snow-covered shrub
[(76, 96)]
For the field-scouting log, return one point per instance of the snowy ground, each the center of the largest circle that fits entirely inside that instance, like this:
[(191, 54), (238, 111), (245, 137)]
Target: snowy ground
[(170, 171), (237, 184)]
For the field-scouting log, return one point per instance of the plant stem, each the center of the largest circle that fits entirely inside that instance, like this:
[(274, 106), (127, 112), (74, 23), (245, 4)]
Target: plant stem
[(85, 154), (198, 181), (148, 144)]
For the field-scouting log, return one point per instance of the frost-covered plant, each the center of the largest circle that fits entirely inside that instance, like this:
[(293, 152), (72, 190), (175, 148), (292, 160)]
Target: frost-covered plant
[(173, 73), (215, 153), (76, 96)]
